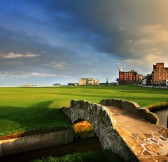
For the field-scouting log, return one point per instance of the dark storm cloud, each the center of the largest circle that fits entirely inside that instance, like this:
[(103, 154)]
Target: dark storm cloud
[(92, 22), (108, 26), (77, 37), (97, 23)]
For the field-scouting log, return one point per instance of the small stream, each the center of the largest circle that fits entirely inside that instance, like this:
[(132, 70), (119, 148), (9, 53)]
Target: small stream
[(85, 145), (162, 115)]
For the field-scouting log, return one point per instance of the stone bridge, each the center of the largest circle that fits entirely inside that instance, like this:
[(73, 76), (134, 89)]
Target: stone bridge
[(124, 127)]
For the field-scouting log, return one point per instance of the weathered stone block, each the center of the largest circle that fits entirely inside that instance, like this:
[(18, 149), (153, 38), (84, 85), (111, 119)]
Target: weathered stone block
[(19, 141), (32, 142), (147, 115), (33, 139), (44, 136), (95, 107), (5, 144), (81, 104), (117, 103), (86, 105), (68, 136), (131, 107), (108, 102), (102, 102)]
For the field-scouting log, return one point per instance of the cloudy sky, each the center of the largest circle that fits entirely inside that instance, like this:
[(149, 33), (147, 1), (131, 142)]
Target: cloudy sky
[(59, 41)]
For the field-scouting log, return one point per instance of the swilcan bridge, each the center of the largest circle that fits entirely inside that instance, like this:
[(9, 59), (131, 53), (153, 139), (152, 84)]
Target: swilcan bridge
[(124, 127)]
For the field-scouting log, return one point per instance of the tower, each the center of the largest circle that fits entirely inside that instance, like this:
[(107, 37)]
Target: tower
[(107, 80), (120, 69)]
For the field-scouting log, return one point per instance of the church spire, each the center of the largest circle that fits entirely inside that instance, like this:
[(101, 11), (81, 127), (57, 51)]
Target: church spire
[(120, 69), (107, 80)]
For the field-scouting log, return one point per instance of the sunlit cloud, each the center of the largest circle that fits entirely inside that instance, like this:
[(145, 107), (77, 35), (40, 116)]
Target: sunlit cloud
[(30, 74), (56, 65), (38, 74), (13, 55), (153, 35)]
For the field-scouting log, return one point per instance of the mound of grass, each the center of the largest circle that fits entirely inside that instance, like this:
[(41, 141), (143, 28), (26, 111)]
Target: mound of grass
[(31, 119), (98, 156)]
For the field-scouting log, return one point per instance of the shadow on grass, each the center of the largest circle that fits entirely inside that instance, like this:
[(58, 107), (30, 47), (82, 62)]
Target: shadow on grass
[(36, 118)]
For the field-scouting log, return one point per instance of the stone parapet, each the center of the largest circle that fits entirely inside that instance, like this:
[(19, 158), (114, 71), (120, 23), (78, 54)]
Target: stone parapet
[(157, 106), (132, 108)]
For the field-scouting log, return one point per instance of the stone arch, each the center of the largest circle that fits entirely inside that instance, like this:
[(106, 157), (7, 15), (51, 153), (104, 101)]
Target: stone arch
[(78, 120), (103, 124)]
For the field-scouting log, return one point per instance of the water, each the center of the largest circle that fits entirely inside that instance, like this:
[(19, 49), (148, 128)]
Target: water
[(91, 144), (162, 115)]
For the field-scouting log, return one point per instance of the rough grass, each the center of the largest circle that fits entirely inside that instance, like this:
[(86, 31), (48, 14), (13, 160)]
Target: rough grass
[(98, 156), (26, 109)]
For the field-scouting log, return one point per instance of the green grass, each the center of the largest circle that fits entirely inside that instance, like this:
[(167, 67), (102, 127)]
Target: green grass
[(26, 109), (98, 156)]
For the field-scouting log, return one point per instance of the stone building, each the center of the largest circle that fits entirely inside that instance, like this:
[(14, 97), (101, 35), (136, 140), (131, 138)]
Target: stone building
[(147, 80), (88, 81), (128, 77), (72, 84), (159, 74), (140, 78)]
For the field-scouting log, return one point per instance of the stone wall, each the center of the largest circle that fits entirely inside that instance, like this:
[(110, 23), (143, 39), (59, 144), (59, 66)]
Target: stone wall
[(158, 106), (105, 126), (37, 141), (132, 108)]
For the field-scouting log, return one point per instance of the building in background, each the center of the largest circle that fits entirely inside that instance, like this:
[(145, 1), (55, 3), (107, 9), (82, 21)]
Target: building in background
[(128, 77), (88, 81), (72, 84), (147, 80), (29, 85), (159, 74), (107, 83), (140, 78), (57, 85)]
